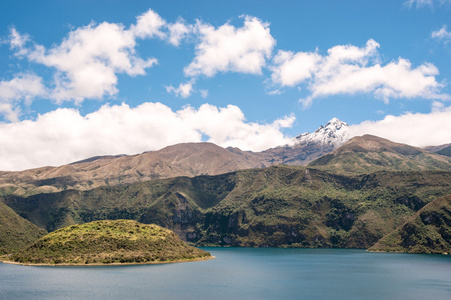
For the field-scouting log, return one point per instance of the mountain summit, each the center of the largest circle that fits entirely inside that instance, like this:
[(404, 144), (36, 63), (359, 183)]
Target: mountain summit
[(334, 133)]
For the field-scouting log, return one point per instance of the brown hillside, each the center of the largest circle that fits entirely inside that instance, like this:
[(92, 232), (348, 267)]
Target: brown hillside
[(189, 159), (371, 143)]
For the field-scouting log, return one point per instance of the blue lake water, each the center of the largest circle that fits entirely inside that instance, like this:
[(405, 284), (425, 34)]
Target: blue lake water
[(243, 273)]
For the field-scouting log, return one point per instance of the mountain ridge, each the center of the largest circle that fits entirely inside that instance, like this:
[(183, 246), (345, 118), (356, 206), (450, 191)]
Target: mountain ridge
[(186, 159), (325, 148)]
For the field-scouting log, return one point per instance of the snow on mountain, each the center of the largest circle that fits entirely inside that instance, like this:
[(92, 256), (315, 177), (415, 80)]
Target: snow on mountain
[(334, 133)]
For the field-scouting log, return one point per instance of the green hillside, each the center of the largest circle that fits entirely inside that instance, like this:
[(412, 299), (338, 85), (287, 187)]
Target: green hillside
[(15, 231), (369, 154), (428, 231), (446, 151), (275, 206), (104, 242)]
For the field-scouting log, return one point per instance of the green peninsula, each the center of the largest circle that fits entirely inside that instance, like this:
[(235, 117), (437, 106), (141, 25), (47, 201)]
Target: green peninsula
[(109, 242)]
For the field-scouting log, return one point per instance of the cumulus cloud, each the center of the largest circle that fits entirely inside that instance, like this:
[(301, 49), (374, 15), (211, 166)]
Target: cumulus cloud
[(63, 136), (184, 90), (347, 69), (21, 89), (89, 59), (178, 31), (231, 49), (414, 129), (148, 25), (290, 69), (442, 35)]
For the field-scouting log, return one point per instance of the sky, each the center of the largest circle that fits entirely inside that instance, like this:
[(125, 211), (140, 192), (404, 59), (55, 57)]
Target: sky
[(86, 78)]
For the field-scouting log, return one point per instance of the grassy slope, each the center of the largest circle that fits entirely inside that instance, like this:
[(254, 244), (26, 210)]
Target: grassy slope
[(15, 231), (276, 206), (370, 162), (446, 151), (369, 154), (120, 241), (428, 231)]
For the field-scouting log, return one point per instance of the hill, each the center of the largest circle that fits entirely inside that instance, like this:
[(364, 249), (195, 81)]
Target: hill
[(368, 154), (445, 151), (436, 148), (427, 231), (15, 231), (276, 206), (105, 242)]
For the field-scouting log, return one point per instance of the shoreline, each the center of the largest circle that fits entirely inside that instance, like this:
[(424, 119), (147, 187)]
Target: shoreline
[(108, 264)]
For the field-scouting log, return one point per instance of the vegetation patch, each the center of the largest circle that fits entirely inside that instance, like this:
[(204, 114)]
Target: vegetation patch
[(427, 231), (109, 242), (15, 231)]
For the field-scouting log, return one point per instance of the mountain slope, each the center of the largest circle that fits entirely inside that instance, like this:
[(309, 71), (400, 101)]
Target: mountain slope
[(428, 231), (275, 206), (190, 159), (367, 154), (15, 231), (437, 148), (445, 151)]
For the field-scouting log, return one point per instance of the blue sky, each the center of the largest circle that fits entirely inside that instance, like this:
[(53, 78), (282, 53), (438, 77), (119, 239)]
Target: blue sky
[(84, 78)]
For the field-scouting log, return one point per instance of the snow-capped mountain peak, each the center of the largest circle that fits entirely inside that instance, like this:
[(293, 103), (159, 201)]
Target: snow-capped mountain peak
[(334, 133)]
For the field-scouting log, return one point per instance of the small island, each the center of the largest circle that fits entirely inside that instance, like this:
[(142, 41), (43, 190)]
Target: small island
[(109, 242)]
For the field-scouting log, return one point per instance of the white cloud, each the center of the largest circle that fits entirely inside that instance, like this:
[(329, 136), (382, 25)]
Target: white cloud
[(290, 69), (64, 136), (21, 89), (178, 31), (184, 90), (414, 129), (438, 106), (9, 112), (424, 3), (148, 25), (203, 93), (230, 49), (88, 60), (418, 3), (442, 34), (17, 40), (275, 92), (347, 69)]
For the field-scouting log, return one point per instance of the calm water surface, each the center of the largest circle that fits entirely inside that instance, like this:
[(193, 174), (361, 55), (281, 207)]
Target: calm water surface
[(243, 273)]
